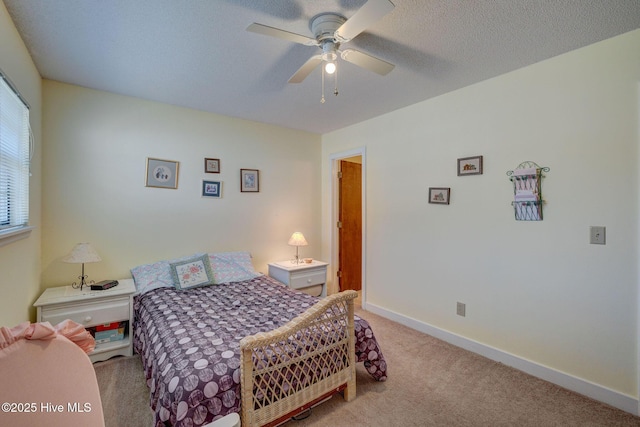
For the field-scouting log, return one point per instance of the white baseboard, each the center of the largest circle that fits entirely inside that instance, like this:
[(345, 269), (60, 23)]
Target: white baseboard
[(594, 391)]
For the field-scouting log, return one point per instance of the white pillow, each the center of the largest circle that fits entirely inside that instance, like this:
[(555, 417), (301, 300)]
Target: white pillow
[(232, 267)]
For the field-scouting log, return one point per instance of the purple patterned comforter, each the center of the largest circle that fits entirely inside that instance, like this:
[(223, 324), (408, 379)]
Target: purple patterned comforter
[(189, 341)]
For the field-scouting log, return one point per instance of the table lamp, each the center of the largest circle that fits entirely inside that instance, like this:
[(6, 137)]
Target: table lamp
[(297, 240), (82, 253)]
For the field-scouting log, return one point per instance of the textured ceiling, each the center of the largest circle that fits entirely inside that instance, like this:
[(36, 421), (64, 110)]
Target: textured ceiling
[(198, 54)]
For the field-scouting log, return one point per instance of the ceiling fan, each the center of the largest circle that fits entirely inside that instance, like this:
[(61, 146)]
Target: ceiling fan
[(330, 31)]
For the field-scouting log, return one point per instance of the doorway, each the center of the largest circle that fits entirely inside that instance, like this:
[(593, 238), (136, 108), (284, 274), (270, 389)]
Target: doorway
[(348, 222)]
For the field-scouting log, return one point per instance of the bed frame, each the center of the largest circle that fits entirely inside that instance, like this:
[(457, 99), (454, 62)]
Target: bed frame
[(288, 370)]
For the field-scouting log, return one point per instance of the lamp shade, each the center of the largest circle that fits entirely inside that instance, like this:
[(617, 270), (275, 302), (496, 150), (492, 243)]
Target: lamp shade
[(297, 239), (82, 253)]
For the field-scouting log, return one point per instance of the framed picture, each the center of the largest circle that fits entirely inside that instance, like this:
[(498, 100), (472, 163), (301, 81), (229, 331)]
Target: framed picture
[(212, 189), (439, 195), (249, 180), (211, 165), (162, 173), (470, 166)]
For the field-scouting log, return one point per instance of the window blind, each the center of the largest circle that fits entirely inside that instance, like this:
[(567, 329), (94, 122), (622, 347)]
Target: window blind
[(14, 158)]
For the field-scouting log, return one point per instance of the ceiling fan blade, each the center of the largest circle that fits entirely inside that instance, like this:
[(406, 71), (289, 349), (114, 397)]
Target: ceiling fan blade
[(281, 34), (306, 69), (367, 15), (369, 62)]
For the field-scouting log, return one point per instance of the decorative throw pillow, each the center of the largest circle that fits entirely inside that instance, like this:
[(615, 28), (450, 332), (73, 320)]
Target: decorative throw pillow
[(232, 267), (157, 275), (192, 273)]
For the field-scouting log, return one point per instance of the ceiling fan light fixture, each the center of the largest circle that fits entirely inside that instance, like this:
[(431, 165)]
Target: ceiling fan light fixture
[(329, 51), (329, 57), (330, 67)]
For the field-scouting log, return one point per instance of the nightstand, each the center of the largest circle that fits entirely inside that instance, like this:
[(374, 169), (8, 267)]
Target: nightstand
[(92, 308), (310, 278)]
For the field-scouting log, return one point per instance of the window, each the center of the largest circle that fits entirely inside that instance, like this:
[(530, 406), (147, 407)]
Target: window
[(15, 146)]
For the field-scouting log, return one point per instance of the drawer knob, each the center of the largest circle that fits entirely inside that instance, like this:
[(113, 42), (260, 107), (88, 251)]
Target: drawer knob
[(87, 319)]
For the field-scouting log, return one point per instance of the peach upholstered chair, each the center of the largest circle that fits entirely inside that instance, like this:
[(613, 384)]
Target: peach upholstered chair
[(46, 377)]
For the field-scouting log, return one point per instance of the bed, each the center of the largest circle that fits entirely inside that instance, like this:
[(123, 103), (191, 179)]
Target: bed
[(229, 339)]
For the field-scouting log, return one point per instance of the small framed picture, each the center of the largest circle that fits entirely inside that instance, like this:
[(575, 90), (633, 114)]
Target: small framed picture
[(211, 165), (470, 166), (212, 189), (249, 180), (439, 195), (162, 173)]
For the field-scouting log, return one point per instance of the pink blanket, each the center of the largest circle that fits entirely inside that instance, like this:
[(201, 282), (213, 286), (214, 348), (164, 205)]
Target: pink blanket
[(45, 331)]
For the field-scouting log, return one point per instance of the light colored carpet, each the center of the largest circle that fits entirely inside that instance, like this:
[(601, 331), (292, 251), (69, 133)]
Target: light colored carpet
[(431, 383), (124, 392)]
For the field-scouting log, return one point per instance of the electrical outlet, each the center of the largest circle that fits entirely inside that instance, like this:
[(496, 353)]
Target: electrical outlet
[(597, 235), (461, 309)]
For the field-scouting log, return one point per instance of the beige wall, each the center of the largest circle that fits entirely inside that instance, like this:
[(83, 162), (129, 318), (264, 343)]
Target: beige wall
[(20, 261), (94, 184), (536, 290)]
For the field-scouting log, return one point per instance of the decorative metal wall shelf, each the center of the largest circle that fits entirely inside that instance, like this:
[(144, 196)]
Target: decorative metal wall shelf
[(527, 194)]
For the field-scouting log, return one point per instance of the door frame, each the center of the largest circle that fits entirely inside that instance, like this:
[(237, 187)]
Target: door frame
[(334, 160)]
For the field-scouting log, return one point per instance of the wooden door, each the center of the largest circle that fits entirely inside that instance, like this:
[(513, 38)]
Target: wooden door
[(350, 226)]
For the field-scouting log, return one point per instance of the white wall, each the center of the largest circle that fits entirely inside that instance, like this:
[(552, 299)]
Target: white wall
[(94, 184), (536, 290), (20, 261)]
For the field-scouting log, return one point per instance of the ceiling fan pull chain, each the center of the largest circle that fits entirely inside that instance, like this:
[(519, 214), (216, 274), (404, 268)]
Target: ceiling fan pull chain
[(335, 76), (322, 99)]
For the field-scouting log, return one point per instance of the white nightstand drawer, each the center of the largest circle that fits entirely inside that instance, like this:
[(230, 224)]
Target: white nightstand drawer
[(308, 278), (88, 313)]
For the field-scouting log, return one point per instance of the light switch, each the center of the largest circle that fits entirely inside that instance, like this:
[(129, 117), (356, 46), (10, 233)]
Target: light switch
[(597, 235)]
